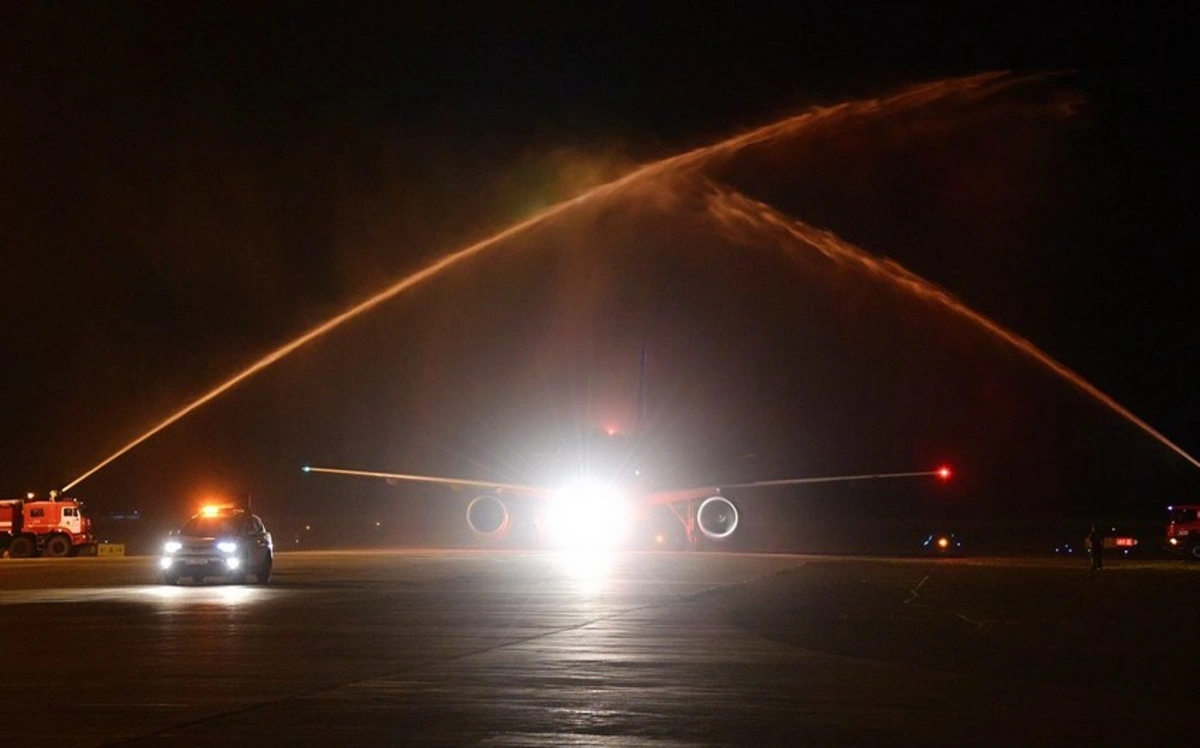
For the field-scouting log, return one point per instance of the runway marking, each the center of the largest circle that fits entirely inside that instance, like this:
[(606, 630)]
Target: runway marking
[(912, 594), (972, 621)]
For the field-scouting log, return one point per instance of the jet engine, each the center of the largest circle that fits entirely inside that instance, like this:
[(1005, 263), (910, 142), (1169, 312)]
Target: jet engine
[(488, 517), (717, 517)]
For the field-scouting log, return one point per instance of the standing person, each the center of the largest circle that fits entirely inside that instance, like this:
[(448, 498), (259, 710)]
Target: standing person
[(1096, 547)]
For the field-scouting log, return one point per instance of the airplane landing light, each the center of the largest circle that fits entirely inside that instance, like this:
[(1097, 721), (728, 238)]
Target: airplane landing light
[(586, 516)]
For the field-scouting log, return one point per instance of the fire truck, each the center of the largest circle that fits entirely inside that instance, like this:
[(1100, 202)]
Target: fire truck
[(1183, 530), (52, 527)]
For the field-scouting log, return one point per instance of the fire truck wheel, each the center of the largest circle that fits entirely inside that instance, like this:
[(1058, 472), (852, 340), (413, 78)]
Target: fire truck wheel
[(21, 547), (1193, 551), (58, 546)]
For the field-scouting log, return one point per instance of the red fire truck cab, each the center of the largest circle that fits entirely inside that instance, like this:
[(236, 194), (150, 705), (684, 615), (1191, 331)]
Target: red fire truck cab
[(1183, 529), (54, 527)]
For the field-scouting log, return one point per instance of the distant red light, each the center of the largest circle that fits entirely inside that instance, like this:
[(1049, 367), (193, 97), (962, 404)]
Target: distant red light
[(943, 473)]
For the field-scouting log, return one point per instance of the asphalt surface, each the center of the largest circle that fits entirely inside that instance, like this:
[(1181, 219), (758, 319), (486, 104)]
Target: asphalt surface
[(528, 649)]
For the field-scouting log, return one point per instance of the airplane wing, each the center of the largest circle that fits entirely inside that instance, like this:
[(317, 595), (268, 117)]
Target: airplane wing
[(654, 498), (701, 492), (706, 513), (492, 486)]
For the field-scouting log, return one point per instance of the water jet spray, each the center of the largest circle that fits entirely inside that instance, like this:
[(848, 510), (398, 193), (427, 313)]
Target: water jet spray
[(738, 214), (968, 89)]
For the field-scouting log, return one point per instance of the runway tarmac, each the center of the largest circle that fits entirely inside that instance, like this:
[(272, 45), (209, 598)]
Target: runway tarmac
[(528, 649)]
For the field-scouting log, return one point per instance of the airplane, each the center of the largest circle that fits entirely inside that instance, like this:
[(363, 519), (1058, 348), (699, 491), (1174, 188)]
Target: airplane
[(591, 515)]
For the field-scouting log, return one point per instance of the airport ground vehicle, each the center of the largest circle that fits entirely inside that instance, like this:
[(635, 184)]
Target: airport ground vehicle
[(219, 542), (942, 544), (51, 527), (1183, 529)]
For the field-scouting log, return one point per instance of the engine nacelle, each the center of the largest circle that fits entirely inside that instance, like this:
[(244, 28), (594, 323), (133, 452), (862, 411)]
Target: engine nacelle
[(488, 517), (717, 517)]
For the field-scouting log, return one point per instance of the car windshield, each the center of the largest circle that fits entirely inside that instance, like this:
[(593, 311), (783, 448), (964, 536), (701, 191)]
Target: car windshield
[(210, 527)]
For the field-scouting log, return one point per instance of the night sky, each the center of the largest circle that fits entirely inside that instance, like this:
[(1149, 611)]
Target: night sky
[(188, 186)]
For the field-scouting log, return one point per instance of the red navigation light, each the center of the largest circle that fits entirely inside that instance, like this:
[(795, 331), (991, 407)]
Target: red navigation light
[(943, 473)]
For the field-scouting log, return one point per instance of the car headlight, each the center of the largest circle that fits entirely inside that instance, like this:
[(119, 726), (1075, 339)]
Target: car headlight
[(171, 546), (227, 546)]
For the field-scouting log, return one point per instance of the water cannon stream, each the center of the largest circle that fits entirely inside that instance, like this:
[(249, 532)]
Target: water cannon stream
[(968, 89)]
